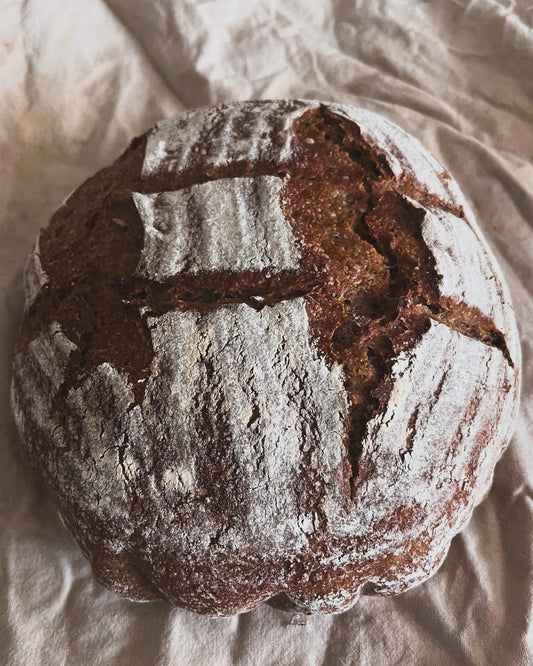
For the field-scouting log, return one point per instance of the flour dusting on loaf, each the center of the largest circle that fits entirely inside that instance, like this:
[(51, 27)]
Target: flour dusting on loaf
[(232, 224), (215, 136), (253, 373), (34, 277), (266, 355)]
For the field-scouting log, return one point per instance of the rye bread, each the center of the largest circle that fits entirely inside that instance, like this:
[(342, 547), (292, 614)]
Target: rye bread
[(266, 355)]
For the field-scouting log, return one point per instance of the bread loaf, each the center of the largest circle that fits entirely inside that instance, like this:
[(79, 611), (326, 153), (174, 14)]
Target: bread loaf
[(266, 355)]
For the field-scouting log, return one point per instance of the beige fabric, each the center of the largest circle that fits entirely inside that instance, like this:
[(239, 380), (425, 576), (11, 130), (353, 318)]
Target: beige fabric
[(78, 78)]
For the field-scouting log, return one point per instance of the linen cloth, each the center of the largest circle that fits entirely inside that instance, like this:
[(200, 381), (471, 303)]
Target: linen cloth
[(78, 79)]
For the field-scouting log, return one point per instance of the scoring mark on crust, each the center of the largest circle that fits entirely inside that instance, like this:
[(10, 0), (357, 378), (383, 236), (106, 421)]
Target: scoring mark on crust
[(355, 218)]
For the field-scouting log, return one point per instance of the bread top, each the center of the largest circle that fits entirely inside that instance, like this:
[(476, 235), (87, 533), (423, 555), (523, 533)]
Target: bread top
[(267, 349)]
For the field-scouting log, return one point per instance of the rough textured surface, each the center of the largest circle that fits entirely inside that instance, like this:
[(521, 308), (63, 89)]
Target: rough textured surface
[(232, 224), (312, 420)]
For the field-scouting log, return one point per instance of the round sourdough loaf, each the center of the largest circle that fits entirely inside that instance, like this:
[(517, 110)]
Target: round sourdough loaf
[(266, 355)]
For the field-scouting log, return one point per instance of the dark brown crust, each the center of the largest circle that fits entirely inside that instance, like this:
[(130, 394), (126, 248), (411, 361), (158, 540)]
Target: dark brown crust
[(355, 227)]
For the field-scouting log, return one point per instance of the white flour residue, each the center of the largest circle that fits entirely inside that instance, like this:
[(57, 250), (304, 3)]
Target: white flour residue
[(39, 371), (34, 277), (212, 136), (461, 262), (233, 224), (275, 396), (423, 446), (107, 426)]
